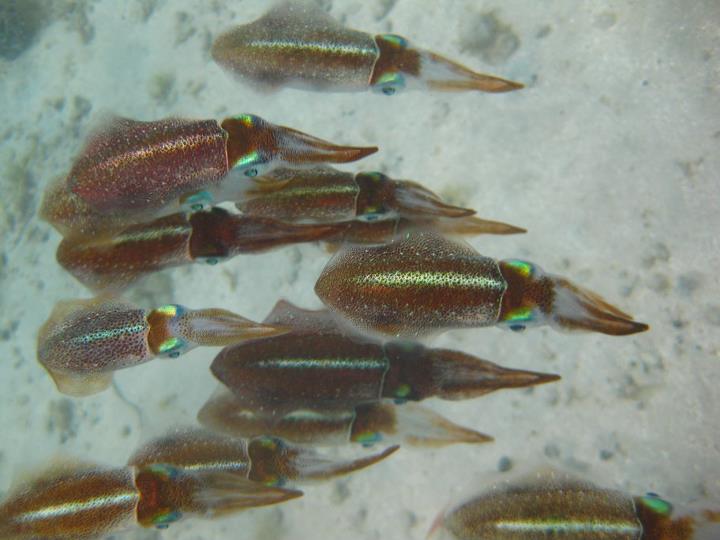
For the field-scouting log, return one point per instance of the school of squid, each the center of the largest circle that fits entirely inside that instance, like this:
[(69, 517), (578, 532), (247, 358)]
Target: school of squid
[(146, 196)]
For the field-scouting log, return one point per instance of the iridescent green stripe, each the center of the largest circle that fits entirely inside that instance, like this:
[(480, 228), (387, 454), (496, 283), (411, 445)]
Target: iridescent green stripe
[(151, 234), (456, 280), (111, 334), (325, 363), (75, 507), (569, 526), (308, 415), (217, 466), (150, 150), (314, 46), (304, 191)]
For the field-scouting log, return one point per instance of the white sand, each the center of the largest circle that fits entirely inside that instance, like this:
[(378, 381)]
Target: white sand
[(609, 158)]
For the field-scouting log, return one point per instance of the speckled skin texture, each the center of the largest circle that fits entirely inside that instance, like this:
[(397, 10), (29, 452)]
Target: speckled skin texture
[(416, 285), (115, 261), (298, 45), (129, 164), (303, 369), (71, 504), (224, 413), (196, 449), (317, 195), (552, 507), (72, 216), (89, 336), (324, 194), (323, 426), (609, 158), (112, 263), (266, 460), (318, 364)]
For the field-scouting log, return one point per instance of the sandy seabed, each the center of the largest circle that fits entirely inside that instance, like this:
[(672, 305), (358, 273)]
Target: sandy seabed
[(609, 158)]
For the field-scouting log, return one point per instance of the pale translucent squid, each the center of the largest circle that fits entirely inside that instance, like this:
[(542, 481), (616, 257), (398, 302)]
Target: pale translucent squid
[(85, 341), (366, 424)]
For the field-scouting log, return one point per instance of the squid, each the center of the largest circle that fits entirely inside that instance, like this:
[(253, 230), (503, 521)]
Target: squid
[(133, 167), (424, 282), (300, 46), (188, 473), (324, 194), (550, 504), (317, 363), (269, 461), (84, 342), (114, 261), (86, 501), (111, 263), (365, 424)]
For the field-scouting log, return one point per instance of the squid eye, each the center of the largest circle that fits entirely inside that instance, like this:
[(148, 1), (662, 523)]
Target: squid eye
[(368, 438), (163, 520), (390, 83), (172, 347), (518, 319), (252, 164), (196, 201), (210, 260), (373, 213)]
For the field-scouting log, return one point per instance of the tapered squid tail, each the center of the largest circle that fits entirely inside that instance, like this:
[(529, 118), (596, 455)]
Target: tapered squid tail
[(298, 148), (576, 308), (534, 297), (462, 376), (256, 143), (219, 327), (424, 427), (411, 424), (416, 200), (439, 73), (226, 493), (472, 225), (273, 462)]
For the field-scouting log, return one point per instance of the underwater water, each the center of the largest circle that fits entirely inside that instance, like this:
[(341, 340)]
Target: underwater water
[(609, 157)]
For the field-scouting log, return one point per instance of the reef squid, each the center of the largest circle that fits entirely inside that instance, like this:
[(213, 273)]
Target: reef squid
[(299, 45)]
